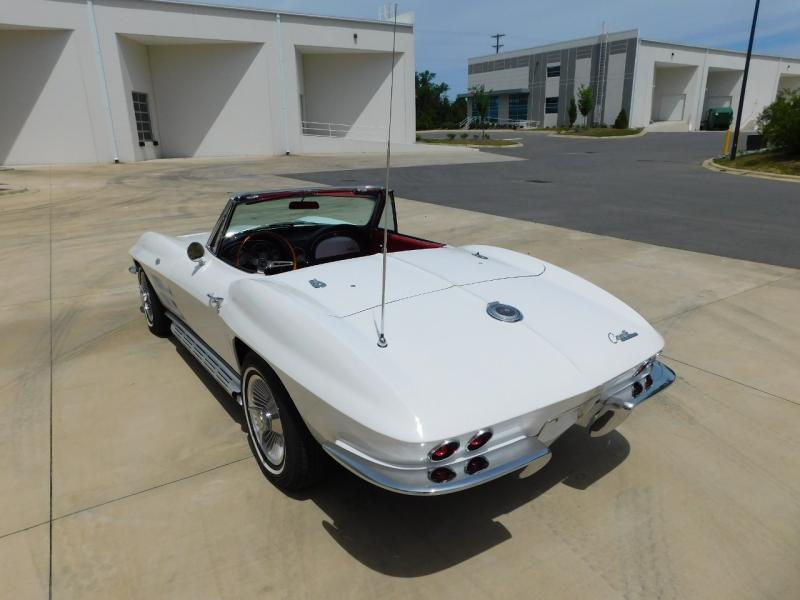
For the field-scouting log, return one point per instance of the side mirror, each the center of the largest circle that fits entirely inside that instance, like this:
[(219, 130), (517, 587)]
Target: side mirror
[(195, 251)]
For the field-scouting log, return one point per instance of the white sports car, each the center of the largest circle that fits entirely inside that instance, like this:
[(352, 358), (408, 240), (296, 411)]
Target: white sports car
[(490, 354)]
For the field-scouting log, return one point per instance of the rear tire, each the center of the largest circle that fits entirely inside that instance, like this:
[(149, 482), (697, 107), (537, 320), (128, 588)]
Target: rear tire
[(154, 314), (286, 451)]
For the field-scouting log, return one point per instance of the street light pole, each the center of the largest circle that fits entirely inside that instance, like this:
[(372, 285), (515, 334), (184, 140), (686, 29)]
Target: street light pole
[(744, 83)]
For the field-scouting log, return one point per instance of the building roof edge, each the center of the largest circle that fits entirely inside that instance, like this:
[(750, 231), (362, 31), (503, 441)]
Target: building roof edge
[(273, 11)]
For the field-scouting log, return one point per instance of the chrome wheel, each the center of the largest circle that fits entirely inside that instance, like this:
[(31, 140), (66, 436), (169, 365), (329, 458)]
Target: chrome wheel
[(147, 302), (264, 420)]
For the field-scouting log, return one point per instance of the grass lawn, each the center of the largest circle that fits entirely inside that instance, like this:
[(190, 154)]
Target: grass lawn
[(467, 142), (600, 132), (769, 162)]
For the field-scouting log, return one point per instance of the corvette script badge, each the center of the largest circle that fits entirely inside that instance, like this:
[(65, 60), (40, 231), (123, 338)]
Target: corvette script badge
[(622, 336)]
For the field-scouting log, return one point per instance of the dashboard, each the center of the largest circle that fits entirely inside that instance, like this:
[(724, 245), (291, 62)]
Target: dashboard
[(278, 249)]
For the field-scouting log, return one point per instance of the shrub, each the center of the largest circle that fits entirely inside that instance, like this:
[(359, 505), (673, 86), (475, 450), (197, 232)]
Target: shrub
[(572, 112), (780, 122), (419, 137), (464, 136), (475, 136), (585, 102), (621, 122), (451, 136)]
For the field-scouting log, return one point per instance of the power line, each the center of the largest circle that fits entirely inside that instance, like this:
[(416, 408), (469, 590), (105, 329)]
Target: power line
[(497, 44)]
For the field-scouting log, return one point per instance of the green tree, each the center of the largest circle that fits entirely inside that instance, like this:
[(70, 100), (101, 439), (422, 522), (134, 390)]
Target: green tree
[(572, 112), (780, 122), (434, 108), (458, 110), (480, 103), (585, 102), (432, 101), (621, 122)]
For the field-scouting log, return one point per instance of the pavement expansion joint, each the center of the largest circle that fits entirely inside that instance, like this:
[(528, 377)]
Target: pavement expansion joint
[(724, 298), (736, 381), (154, 487)]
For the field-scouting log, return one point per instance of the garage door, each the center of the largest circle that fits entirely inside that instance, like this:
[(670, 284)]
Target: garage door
[(671, 108)]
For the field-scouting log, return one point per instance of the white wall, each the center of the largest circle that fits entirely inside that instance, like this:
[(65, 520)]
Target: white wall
[(614, 87), (505, 79), (44, 116), (62, 112), (136, 77), (353, 89), (762, 82), (762, 87), (309, 37), (211, 99), (674, 92)]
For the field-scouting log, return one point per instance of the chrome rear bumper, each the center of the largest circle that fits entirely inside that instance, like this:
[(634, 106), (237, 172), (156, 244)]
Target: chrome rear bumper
[(524, 452), (610, 408), (609, 412)]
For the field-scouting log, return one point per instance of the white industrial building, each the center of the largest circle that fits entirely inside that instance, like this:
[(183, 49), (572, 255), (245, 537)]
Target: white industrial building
[(660, 85), (104, 80)]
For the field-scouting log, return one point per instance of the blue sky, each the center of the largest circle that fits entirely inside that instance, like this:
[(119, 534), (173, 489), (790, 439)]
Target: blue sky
[(450, 31)]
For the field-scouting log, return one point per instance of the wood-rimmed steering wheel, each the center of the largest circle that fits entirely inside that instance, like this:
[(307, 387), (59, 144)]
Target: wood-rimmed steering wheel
[(264, 236)]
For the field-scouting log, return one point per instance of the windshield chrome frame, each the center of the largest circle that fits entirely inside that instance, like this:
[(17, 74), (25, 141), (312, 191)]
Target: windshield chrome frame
[(221, 227)]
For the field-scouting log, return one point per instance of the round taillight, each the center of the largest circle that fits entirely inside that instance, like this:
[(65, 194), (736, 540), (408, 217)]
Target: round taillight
[(476, 464), (443, 450), (648, 382), (637, 389), (441, 475), (478, 440)]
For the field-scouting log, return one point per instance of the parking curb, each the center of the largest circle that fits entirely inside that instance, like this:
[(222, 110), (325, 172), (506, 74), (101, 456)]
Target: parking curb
[(712, 166), (600, 137)]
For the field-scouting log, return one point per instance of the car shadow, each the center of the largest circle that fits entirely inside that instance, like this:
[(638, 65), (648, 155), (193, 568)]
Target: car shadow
[(409, 536), (412, 536), (229, 404)]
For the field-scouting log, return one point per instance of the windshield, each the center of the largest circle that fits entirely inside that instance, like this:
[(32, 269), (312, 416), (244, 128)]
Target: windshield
[(298, 211)]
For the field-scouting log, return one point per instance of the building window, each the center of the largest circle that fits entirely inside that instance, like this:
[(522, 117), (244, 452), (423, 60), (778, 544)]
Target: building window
[(554, 70), (518, 107), (494, 108), (141, 111), (551, 105)]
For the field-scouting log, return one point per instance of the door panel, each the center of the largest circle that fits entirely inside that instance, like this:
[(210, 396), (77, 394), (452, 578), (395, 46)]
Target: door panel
[(189, 285), (194, 297)]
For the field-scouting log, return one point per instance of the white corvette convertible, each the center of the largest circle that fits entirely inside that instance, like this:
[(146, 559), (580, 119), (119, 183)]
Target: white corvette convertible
[(490, 355)]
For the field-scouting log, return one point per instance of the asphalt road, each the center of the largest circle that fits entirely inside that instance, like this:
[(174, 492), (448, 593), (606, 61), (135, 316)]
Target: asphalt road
[(651, 189)]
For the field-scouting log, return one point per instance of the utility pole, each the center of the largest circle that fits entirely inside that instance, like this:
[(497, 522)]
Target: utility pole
[(497, 45), (744, 83)]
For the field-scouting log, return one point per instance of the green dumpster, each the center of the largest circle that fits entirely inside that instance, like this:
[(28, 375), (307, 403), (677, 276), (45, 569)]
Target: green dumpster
[(719, 118)]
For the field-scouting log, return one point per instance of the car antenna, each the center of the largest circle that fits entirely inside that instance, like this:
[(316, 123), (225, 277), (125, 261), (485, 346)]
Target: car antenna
[(382, 343)]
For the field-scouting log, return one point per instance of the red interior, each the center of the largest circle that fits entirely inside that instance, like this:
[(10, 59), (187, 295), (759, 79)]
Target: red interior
[(398, 242)]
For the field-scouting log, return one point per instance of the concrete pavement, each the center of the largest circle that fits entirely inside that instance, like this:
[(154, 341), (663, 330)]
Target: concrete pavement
[(154, 493)]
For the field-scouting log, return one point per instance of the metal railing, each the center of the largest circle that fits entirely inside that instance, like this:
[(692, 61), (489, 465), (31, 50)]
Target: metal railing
[(476, 120), (344, 130)]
